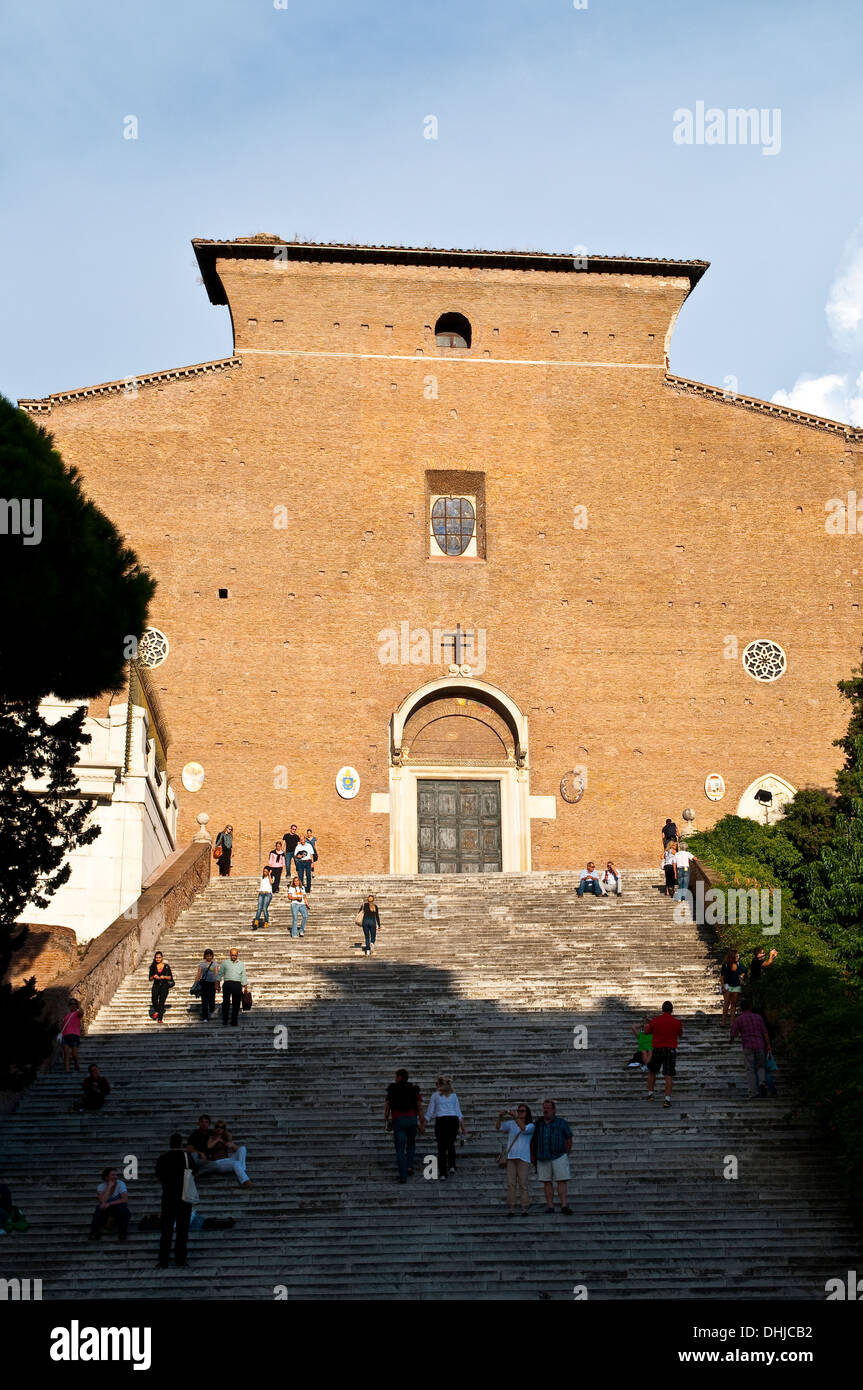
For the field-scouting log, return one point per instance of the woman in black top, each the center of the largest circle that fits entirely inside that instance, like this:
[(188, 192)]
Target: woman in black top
[(371, 922), (225, 841), (733, 974), (161, 979)]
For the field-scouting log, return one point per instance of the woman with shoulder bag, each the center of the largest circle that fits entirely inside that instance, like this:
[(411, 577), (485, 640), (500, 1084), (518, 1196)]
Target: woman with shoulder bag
[(369, 919), (223, 849), (162, 980), (518, 1127), (205, 984)]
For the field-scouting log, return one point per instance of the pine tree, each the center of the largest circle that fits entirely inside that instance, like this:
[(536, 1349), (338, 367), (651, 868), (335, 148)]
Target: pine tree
[(73, 595)]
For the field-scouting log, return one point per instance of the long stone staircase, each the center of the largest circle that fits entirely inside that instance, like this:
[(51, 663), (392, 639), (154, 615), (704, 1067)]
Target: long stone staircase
[(490, 979)]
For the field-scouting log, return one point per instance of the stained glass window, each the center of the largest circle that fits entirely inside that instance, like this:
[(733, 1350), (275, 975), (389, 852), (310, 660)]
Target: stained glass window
[(453, 524)]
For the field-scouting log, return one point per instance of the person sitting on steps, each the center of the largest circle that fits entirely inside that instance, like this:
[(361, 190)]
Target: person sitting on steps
[(216, 1152), (612, 883), (589, 881), (113, 1204)]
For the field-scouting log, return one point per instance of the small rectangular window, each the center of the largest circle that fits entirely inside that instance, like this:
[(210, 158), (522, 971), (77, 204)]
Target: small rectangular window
[(223, 593)]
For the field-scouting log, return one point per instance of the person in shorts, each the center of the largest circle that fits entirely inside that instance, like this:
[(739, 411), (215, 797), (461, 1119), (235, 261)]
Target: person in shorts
[(666, 1031), (70, 1034), (733, 974), (550, 1146)]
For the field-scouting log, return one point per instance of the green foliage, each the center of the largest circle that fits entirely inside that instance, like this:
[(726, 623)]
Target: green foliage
[(38, 829), (808, 822), (26, 1037), (848, 779), (71, 600), (73, 594), (758, 855), (809, 992), (836, 880)]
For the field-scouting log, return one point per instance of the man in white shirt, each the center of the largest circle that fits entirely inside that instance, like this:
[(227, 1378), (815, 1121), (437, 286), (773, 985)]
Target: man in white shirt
[(682, 861), (611, 881), (303, 856), (588, 881)]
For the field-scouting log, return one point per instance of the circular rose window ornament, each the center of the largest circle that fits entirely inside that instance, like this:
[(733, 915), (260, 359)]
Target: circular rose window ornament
[(152, 648), (764, 660), (193, 777), (347, 782)]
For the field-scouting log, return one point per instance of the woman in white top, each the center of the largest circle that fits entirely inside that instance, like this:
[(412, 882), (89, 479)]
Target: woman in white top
[(518, 1129), (444, 1109), (299, 906), (611, 880), (265, 892)]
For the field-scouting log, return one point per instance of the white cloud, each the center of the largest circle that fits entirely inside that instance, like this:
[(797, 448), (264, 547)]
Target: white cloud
[(832, 395), (835, 395), (844, 307)]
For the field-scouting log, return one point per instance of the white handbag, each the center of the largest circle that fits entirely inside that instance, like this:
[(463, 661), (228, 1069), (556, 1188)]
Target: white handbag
[(190, 1188)]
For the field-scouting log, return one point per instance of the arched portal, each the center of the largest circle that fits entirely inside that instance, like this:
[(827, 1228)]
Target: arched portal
[(459, 781), (766, 798)]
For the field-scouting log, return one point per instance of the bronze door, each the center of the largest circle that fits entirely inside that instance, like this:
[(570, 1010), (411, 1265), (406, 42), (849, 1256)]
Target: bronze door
[(459, 827)]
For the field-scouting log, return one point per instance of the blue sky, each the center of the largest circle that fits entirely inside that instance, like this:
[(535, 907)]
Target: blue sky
[(555, 130)]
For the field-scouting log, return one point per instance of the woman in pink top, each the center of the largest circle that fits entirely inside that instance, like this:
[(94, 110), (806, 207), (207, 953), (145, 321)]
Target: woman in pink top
[(276, 862), (70, 1034)]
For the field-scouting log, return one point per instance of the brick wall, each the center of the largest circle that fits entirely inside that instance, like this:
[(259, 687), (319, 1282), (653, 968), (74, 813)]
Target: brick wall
[(705, 521)]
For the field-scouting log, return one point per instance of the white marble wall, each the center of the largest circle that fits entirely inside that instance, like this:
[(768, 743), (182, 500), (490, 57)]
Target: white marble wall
[(137, 814)]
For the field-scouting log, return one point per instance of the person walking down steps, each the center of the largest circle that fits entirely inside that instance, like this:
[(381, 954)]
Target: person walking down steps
[(304, 857), (232, 978), (369, 919), (223, 849), (265, 893), (276, 862), (205, 977), (299, 906), (162, 982)]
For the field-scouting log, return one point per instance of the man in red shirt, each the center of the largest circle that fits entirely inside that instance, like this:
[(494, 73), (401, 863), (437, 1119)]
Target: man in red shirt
[(666, 1030)]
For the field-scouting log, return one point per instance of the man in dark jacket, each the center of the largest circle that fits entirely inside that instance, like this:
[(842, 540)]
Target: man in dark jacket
[(669, 832), (291, 841), (170, 1168)]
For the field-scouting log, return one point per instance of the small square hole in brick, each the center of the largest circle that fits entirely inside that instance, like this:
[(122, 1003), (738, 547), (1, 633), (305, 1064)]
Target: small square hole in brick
[(223, 593)]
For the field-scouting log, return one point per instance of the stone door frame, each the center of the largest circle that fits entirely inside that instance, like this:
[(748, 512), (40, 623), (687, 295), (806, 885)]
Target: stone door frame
[(515, 808)]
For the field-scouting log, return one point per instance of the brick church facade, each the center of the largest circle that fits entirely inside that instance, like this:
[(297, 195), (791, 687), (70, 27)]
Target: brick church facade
[(444, 519)]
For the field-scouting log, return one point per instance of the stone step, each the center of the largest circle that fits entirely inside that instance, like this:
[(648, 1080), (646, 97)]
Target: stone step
[(490, 990)]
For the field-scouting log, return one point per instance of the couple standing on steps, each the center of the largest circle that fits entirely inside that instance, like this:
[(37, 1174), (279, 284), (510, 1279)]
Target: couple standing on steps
[(547, 1143)]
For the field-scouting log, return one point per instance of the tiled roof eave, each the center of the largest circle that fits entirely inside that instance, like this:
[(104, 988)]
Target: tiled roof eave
[(262, 247), (44, 404), (782, 412)]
